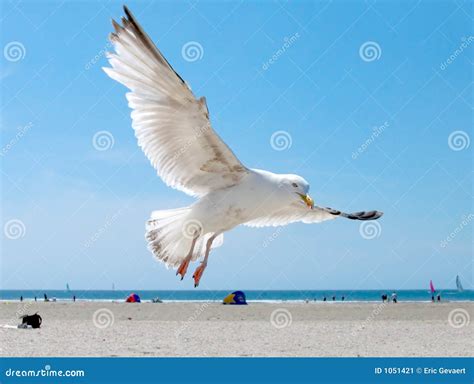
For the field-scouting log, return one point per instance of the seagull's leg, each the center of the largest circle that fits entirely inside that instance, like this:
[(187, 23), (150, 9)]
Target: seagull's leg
[(200, 270), (185, 263)]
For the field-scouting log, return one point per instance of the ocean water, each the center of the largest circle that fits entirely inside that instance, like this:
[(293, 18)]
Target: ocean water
[(252, 295)]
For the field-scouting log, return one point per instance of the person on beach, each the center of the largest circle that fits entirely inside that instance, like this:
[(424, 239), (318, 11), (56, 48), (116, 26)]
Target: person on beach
[(46, 297), (342, 298), (21, 298), (432, 298), (324, 299), (35, 298), (74, 298), (394, 297), (439, 297), (334, 298)]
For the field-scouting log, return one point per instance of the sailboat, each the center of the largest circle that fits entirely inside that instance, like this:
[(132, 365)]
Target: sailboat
[(432, 288), (458, 284), (67, 287)]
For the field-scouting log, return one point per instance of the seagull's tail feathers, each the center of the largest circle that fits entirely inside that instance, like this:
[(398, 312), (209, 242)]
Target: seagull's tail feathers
[(170, 234)]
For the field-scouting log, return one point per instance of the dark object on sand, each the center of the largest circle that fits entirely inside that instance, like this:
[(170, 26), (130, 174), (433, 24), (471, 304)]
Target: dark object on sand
[(33, 320), (133, 298), (21, 298), (324, 299), (439, 297), (74, 298), (156, 300), (46, 297), (235, 298)]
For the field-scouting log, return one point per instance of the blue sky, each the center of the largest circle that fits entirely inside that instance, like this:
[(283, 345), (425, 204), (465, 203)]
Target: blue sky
[(325, 73)]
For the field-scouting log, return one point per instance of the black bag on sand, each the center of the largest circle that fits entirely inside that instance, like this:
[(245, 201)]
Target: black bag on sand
[(33, 320)]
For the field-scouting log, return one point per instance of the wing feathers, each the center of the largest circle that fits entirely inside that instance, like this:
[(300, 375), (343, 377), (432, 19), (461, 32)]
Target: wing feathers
[(171, 126)]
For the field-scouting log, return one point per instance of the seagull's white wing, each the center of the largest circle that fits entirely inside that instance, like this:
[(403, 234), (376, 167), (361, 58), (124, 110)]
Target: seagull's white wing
[(300, 213), (171, 125)]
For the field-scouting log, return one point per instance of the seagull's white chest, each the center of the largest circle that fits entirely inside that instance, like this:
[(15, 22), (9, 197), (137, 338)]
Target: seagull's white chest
[(224, 209)]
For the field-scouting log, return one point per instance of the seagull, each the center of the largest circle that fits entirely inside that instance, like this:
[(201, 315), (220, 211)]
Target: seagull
[(174, 131)]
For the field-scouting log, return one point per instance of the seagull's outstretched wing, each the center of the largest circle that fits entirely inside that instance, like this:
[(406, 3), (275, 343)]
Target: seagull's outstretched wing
[(171, 125), (297, 212)]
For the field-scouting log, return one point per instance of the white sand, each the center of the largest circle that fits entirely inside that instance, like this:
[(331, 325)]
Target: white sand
[(211, 329)]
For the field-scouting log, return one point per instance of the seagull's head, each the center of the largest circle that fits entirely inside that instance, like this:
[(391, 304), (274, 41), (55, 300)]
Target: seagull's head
[(298, 189)]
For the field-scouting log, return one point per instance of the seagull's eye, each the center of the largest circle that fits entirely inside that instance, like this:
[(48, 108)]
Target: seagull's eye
[(295, 185)]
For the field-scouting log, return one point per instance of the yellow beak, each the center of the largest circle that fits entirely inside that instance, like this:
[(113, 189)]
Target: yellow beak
[(307, 199)]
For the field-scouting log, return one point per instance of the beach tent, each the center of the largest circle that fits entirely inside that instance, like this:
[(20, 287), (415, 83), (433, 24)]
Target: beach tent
[(237, 298), (133, 298)]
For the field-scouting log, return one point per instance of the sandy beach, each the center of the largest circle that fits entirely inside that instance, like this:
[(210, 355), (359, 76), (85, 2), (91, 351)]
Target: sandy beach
[(258, 329)]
